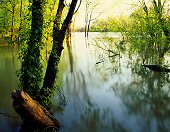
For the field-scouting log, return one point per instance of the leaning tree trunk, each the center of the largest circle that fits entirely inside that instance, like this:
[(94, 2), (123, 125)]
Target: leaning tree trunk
[(53, 58), (58, 38)]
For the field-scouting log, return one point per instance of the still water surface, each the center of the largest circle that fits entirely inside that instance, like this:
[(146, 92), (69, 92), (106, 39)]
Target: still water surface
[(101, 94), (8, 82)]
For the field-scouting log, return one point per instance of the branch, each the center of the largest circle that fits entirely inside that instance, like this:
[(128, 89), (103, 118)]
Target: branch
[(97, 16), (155, 6), (50, 127), (9, 115), (106, 48), (59, 13), (91, 8), (145, 8), (69, 15), (78, 7)]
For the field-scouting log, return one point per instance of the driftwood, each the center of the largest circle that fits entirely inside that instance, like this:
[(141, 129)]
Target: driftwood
[(157, 68), (32, 111)]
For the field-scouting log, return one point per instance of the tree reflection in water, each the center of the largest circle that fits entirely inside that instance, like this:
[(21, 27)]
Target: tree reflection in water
[(149, 95), (116, 95)]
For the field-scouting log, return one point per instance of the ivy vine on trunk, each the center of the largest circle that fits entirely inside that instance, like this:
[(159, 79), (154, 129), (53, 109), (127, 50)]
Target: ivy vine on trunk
[(31, 68), (59, 32)]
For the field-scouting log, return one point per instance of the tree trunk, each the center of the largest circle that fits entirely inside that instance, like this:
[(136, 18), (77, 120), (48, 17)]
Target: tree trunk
[(57, 48), (31, 69), (58, 38), (30, 110), (13, 23)]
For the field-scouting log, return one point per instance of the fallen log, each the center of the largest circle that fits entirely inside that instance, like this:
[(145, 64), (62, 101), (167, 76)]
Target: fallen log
[(157, 68), (32, 111)]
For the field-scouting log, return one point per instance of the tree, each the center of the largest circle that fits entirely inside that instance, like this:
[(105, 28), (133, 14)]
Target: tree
[(31, 69), (89, 12), (148, 32), (15, 21), (158, 8), (59, 32), (31, 78), (110, 24), (9, 13)]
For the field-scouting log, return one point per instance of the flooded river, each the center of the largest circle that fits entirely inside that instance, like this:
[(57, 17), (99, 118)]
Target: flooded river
[(100, 92)]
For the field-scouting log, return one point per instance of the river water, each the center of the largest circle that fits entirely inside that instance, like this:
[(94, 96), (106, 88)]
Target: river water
[(99, 93)]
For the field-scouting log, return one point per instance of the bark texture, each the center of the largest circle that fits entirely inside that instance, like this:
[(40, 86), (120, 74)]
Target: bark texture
[(31, 69), (58, 38), (32, 111)]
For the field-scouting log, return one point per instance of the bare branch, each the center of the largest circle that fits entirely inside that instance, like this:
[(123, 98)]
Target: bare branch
[(9, 115), (97, 16), (78, 7), (69, 15)]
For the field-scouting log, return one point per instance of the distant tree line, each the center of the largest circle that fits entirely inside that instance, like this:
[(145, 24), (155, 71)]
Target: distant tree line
[(147, 29)]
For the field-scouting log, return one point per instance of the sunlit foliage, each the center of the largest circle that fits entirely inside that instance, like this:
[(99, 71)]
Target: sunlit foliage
[(148, 33), (110, 24)]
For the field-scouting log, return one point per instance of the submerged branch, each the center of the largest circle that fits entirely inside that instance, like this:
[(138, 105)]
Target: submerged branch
[(6, 114), (157, 68), (105, 48)]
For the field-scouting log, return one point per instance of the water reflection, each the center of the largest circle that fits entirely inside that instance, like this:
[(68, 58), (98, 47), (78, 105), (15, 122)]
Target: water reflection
[(153, 95), (8, 82), (70, 54), (129, 98), (116, 95)]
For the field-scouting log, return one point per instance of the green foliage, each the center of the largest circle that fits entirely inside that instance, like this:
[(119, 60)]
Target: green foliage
[(31, 67), (146, 35), (46, 98), (14, 20), (31, 72), (22, 23), (29, 23), (111, 24), (49, 15), (147, 30), (16, 15)]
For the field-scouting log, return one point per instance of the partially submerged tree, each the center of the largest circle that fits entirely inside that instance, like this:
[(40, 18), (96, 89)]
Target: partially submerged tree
[(159, 11), (31, 68), (148, 32), (59, 32), (89, 15)]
